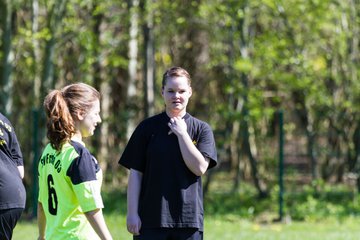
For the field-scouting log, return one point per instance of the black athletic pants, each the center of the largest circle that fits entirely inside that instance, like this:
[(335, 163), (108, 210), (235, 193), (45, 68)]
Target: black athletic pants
[(8, 220), (170, 234)]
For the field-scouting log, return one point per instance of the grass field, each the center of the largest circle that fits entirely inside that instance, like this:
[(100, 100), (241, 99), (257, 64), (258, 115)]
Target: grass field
[(233, 228), (329, 214)]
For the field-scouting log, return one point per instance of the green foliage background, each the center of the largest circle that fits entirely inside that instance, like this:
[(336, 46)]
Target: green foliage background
[(248, 59)]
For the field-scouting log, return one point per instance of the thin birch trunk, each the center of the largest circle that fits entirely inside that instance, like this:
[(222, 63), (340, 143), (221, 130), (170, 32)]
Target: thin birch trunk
[(6, 86)]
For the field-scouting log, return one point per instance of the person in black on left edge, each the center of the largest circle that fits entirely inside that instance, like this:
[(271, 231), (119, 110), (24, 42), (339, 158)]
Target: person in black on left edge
[(12, 190)]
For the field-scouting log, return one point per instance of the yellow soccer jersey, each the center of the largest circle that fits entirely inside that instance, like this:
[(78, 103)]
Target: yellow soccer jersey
[(69, 185)]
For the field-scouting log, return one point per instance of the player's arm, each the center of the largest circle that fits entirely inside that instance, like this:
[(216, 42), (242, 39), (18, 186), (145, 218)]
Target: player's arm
[(193, 158), (97, 221), (41, 221), (133, 192)]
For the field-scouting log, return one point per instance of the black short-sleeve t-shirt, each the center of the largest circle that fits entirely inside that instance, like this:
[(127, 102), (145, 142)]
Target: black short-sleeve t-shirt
[(171, 195), (12, 191)]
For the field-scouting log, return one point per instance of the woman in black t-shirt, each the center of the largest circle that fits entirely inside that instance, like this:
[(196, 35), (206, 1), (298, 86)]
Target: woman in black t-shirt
[(167, 154), (12, 191)]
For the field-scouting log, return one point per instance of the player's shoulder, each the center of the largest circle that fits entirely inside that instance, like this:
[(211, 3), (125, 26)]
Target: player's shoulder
[(153, 121), (196, 121), (3, 118), (5, 123), (79, 148)]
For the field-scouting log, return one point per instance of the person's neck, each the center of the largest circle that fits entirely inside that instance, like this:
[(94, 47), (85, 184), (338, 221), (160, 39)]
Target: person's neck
[(180, 114), (77, 137)]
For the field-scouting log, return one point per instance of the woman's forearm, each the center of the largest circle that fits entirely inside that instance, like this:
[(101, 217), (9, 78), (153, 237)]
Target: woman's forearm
[(133, 220), (97, 221)]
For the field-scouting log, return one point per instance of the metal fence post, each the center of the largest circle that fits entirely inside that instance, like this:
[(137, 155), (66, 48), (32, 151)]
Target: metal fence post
[(35, 148)]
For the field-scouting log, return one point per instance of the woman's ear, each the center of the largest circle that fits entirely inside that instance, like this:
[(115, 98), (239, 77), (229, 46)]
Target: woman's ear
[(80, 115)]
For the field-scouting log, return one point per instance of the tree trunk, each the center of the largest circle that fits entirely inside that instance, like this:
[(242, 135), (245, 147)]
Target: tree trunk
[(100, 141), (299, 98), (244, 43), (235, 148), (356, 141), (149, 60), (247, 149), (56, 14), (36, 53), (38, 131), (133, 64), (104, 154), (6, 65), (259, 184)]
